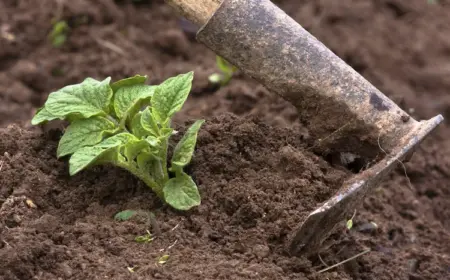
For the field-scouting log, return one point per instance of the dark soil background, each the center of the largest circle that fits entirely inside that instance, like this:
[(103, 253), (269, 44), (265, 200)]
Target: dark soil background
[(256, 176)]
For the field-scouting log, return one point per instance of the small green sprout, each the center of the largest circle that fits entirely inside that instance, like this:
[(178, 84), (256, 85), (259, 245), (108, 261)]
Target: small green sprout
[(108, 126), (350, 222), (125, 215), (59, 33), (163, 259), (147, 238), (227, 70), (132, 268)]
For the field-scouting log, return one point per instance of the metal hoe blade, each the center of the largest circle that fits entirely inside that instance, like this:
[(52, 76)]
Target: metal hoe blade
[(322, 221), (343, 112)]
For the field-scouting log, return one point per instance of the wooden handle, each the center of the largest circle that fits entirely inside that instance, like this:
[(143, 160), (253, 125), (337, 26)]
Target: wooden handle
[(197, 11)]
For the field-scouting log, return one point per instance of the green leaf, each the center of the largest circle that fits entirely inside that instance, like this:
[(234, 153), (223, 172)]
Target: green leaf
[(163, 259), (166, 132), (124, 215), (170, 96), (129, 99), (144, 161), (59, 28), (120, 139), (84, 100), (59, 40), (153, 141), (42, 115), (149, 164), (147, 238), (148, 122), (224, 65), (181, 192), (136, 126), (133, 148), (182, 154), (349, 224), (227, 70), (90, 156), (84, 132), (131, 81), (104, 152)]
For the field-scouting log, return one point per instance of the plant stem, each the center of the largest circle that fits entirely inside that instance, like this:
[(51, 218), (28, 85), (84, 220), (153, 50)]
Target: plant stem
[(165, 145), (144, 177), (122, 123), (161, 179)]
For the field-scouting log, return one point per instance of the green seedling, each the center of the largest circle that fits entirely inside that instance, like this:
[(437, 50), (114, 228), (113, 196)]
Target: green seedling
[(147, 238), (163, 259), (125, 215), (59, 33), (349, 223), (227, 71), (128, 124)]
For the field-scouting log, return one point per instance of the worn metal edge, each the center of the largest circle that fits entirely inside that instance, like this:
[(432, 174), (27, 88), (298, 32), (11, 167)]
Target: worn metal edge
[(321, 222)]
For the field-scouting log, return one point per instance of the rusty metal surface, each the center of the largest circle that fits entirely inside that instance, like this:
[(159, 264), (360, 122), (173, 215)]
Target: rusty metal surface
[(342, 111), (321, 222), (335, 103)]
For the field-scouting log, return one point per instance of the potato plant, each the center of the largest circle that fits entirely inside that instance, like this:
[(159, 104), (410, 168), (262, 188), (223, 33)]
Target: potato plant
[(128, 124)]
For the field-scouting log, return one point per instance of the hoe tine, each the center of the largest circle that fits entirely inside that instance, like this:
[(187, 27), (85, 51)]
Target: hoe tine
[(321, 222)]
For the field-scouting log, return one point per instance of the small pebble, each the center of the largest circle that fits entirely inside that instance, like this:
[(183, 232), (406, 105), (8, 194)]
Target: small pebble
[(367, 227), (66, 270), (17, 218), (261, 251)]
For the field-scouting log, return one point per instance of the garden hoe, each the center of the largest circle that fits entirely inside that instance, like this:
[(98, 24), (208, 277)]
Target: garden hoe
[(343, 112)]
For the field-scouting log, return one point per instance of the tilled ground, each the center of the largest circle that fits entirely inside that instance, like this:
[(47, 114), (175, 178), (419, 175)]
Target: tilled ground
[(256, 177)]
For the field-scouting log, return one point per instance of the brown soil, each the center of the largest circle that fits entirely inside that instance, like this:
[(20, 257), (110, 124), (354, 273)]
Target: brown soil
[(256, 176), (250, 175)]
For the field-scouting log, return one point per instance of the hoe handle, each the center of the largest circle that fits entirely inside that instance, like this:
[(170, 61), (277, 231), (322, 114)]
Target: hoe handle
[(196, 11)]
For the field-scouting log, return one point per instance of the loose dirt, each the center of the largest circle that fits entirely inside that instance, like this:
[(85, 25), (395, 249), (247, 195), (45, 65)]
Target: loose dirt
[(256, 173), (257, 183)]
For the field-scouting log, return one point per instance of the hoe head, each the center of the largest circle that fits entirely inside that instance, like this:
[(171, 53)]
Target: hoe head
[(321, 221), (343, 112)]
